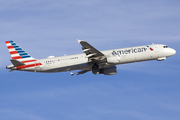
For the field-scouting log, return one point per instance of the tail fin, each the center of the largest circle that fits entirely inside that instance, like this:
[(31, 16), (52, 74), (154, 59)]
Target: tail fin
[(16, 52), (20, 58)]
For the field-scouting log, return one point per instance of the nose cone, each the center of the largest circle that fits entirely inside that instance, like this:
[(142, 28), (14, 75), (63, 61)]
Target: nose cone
[(171, 52)]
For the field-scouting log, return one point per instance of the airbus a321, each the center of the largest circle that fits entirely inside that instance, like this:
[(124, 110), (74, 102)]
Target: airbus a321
[(99, 62)]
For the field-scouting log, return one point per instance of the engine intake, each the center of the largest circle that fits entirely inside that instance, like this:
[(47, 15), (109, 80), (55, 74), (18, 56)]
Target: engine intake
[(95, 69), (109, 71)]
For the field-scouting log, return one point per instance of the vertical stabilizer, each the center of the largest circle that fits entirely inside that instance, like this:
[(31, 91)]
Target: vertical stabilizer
[(16, 52), (20, 58)]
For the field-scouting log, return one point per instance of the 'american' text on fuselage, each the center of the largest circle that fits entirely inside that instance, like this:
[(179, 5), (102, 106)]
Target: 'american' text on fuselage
[(129, 51)]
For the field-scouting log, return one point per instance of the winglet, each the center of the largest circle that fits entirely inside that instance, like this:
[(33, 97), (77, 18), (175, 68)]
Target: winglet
[(78, 41), (71, 73)]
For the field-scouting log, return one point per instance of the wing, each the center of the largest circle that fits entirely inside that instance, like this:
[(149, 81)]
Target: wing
[(92, 53)]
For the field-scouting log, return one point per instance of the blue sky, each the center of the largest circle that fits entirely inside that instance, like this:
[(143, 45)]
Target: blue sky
[(146, 90)]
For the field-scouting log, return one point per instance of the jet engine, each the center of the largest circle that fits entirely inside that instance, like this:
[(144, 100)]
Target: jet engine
[(109, 71), (95, 69)]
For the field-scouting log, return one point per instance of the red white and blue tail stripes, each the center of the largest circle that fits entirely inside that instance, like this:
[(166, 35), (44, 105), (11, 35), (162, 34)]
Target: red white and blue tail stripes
[(15, 51), (19, 54)]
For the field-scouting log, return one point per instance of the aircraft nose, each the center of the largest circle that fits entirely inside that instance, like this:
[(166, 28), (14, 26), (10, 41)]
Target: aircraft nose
[(172, 51)]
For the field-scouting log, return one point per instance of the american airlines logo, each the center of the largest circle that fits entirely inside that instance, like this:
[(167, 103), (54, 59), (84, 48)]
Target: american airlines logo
[(150, 48), (129, 51)]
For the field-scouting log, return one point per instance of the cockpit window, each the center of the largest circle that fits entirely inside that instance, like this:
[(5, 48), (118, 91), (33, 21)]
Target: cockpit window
[(165, 46)]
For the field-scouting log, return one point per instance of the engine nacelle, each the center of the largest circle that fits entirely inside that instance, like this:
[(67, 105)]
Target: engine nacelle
[(113, 59), (109, 71), (95, 69)]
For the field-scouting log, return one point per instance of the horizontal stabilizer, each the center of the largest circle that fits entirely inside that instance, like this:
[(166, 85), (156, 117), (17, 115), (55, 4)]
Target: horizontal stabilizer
[(11, 70), (16, 63)]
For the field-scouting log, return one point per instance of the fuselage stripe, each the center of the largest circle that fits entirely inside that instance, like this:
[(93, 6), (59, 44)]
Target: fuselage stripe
[(28, 61), (27, 66)]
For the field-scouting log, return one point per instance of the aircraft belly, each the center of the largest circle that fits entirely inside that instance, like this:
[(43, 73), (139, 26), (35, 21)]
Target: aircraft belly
[(66, 67)]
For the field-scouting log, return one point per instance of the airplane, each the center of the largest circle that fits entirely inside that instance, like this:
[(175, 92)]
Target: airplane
[(99, 62)]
